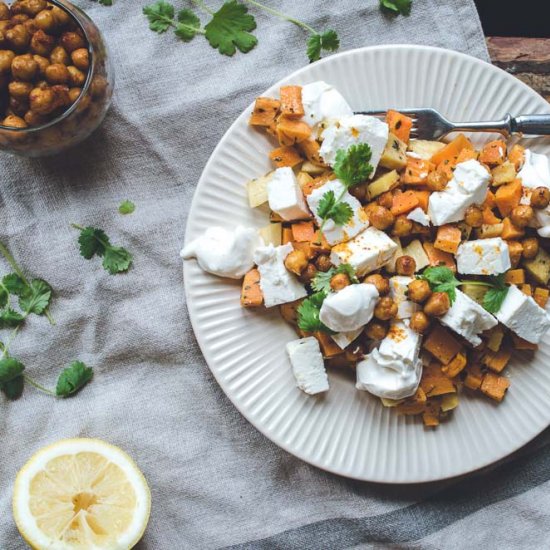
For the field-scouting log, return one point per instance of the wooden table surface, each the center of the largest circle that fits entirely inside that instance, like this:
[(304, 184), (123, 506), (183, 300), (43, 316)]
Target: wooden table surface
[(526, 58)]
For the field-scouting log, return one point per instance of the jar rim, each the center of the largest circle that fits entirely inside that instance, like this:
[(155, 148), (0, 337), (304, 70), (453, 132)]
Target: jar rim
[(87, 83)]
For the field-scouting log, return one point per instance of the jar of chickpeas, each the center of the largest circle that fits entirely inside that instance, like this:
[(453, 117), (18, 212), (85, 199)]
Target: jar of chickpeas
[(56, 78)]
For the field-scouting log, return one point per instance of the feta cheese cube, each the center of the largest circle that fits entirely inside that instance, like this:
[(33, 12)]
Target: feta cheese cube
[(398, 292), (278, 285), (483, 257), (333, 233), (418, 215), (344, 339), (467, 318), (307, 365), (322, 101), (285, 195), (521, 314), (468, 186), (366, 252), (352, 130)]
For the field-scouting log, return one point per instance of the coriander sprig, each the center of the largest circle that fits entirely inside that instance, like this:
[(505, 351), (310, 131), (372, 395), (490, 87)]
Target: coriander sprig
[(308, 314), (442, 279), (396, 7), (321, 281)]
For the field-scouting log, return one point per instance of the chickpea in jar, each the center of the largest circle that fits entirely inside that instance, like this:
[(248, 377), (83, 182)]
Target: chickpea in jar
[(80, 59), (42, 101), (14, 121), (45, 21), (18, 37), (42, 43), (24, 67), (4, 11)]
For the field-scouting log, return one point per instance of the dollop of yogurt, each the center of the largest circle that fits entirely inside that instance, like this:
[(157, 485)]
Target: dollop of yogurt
[(223, 252), (350, 308), (392, 371), (535, 171)]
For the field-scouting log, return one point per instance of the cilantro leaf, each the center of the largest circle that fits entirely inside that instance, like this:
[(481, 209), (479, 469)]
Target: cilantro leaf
[(187, 28), (331, 209), (327, 40), (106, 2), (402, 7), (4, 297), (321, 281), (14, 284), (230, 28), (326, 204), (10, 318), (493, 298), (117, 259), (352, 166), (10, 368), (92, 241), (127, 207), (441, 279), (73, 378), (14, 388), (160, 16), (36, 298), (308, 314)]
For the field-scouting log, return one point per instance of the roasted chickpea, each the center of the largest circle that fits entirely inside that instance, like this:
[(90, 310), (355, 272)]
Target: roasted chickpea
[(309, 273), (32, 7), (339, 281), (6, 58), (19, 19), (18, 37), (419, 291), (61, 17), (42, 101), (34, 119), (42, 63), (42, 43), (18, 107), (376, 330), (24, 67), (4, 26), (385, 309), (358, 191), (473, 216), (45, 20), (420, 322), (98, 86), (322, 262), (72, 41), (405, 265), (402, 226), (530, 248), (60, 55), (4, 11), (436, 181), (20, 90), (61, 93), (385, 200), (81, 59), (515, 249), (296, 261), (522, 215), (437, 305), (17, 7), (14, 121), (57, 73), (76, 76), (381, 283), (540, 197), (380, 217)]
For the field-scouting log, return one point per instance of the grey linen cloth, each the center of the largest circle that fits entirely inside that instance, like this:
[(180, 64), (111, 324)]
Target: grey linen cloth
[(215, 480)]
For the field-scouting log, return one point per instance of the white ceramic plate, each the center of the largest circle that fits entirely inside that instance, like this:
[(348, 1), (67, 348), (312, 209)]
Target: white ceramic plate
[(349, 432)]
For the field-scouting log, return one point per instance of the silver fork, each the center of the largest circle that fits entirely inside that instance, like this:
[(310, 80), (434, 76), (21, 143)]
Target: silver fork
[(430, 124)]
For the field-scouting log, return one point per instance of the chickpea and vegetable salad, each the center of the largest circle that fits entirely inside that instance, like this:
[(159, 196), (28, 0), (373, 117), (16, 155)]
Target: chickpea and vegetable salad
[(44, 62), (421, 265)]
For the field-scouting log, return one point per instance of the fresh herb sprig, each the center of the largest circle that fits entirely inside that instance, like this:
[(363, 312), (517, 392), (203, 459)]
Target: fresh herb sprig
[(321, 281), (126, 207), (230, 27), (397, 7), (92, 241), (308, 314), (442, 279), (106, 2)]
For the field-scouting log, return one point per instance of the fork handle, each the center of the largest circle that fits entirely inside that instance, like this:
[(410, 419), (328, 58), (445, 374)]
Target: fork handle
[(531, 124)]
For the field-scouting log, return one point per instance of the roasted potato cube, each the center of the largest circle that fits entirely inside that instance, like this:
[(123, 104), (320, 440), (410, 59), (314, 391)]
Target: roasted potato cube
[(394, 156)]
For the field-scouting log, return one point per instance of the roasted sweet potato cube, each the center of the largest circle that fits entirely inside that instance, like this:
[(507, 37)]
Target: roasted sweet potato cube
[(511, 231), (515, 277), (448, 238), (497, 360), (435, 382), (303, 231), (417, 170), (285, 156), (439, 257), (251, 293), (517, 156), (474, 376), (400, 125), (442, 344), (329, 347), (493, 152), (494, 386), (431, 414), (451, 151), (265, 111), (507, 197), (456, 366), (521, 344), (541, 296), (291, 101), (290, 131)]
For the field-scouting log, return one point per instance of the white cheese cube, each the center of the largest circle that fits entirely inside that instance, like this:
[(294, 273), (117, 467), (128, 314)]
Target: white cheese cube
[(418, 215), (333, 233), (467, 318), (521, 314), (468, 186), (399, 285), (415, 250), (285, 195), (321, 101), (390, 266), (278, 285), (352, 130), (307, 365), (366, 252), (483, 257), (344, 339)]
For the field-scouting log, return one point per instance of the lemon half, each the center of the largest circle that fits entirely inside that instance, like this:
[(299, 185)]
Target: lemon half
[(81, 494)]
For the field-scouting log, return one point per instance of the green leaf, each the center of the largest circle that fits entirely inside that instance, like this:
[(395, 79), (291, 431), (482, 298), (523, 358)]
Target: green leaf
[(230, 29), (10, 368), (493, 298), (441, 279), (10, 318), (37, 297), (160, 16), (92, 241), (321, 281), (126, 207), (73, 378), (4, 297), (330, 209), (14, 284), (14, 388), (327, 40), (308, 313), (187, 27), (117, 259), (402, 7), (106, 2), (352, 166), (326, 204)]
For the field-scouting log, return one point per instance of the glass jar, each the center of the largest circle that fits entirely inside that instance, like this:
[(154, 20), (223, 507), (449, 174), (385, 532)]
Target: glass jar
[(84, 115)]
